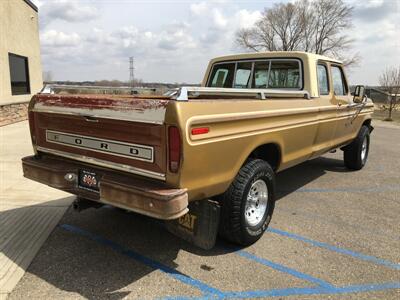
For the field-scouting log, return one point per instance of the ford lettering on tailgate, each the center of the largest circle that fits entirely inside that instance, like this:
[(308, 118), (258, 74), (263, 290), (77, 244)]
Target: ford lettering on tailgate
[(134, 151)]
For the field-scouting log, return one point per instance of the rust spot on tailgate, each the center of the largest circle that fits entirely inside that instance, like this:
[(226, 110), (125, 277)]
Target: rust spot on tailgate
[(118, 103)]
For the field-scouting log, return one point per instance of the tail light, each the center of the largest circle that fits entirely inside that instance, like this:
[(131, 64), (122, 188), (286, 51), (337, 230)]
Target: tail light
[(174, 147), (31, 117)]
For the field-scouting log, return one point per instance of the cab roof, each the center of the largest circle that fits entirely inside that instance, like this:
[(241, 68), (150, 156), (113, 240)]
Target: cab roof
[(272, 54)]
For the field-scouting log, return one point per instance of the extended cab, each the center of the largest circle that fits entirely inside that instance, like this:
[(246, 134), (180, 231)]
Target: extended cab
[(253, 116)]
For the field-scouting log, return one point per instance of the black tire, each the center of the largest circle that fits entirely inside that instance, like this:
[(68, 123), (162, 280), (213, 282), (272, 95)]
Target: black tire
[(354, 159), (234, 225)]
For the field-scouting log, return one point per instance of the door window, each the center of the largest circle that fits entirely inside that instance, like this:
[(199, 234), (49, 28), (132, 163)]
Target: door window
[(339, 83), (323, 83)]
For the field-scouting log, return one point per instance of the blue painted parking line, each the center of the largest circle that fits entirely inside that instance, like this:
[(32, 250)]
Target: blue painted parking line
[(209, 292), (369, 258), (348, 189), (204, 288), (300, 291), (313, 291), (284, 269)]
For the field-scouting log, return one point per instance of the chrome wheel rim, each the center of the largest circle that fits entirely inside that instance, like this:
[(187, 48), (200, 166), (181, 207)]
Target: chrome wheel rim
[(256, 203), (364, 148)]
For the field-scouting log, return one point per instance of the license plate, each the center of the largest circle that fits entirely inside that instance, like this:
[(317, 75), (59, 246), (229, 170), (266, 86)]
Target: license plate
[(88, 181)]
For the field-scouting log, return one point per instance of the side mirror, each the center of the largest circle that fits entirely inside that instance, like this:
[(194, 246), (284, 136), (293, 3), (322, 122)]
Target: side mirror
[(359, 94)]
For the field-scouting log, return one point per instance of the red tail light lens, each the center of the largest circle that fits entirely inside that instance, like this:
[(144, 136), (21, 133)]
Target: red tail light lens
[(174, 144), (31, 117)]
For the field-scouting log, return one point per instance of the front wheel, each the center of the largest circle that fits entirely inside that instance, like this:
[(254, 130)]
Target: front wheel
[(356, 154), (248, 204)]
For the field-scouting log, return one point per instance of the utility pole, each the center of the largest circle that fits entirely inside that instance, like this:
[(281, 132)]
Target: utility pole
[(131, 72)]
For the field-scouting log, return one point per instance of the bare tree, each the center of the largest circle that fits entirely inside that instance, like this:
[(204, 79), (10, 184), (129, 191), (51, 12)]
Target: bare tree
[(390, 82), (317, 26)]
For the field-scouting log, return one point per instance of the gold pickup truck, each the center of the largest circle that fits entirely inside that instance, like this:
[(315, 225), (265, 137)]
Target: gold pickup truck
[(254, 115)]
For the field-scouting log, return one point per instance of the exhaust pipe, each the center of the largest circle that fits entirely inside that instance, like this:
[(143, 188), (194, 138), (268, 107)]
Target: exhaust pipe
[(81, 204)]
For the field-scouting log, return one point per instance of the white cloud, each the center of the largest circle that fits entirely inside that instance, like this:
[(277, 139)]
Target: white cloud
[(199, 8), (68, 11), (219, 19), (376, 33), (55, 38), (246, 19), (177, 44)]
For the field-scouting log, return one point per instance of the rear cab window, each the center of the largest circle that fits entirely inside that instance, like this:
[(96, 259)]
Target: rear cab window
[(222, 75), (259, 74), (242, 75), (284, 75)]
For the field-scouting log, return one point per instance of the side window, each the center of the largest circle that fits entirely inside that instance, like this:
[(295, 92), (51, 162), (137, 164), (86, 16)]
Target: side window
[(242, 77), (260, 76), (339, 83), (285, 74), (222, 75), (323, 83)]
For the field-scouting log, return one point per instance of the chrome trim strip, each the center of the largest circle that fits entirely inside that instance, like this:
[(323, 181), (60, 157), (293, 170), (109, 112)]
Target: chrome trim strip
[(244, 116), (103, 163), (49, 111), (217, 118), (83, 137), (185, 92)]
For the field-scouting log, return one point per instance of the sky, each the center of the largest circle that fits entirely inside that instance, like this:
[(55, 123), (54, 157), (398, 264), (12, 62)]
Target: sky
[(172, 41)]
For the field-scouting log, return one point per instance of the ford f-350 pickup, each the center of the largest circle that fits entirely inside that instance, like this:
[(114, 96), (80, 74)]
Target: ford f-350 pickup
[(253, 116)]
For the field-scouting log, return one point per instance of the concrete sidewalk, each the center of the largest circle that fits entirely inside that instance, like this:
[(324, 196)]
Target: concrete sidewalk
[(29, 211)]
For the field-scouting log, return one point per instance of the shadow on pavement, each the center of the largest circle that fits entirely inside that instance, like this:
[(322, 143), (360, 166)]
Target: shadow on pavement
[(76, 264), (292, 179)]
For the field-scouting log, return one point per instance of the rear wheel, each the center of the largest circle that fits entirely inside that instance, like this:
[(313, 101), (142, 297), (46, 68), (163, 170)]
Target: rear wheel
[(356, 154), (248, 204)]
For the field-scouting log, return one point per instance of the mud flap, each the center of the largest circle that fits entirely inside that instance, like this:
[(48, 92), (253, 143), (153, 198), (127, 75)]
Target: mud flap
[(199, 226)]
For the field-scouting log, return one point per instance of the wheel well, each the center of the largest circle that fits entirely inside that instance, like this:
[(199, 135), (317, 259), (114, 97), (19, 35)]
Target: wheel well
[(271, 153), (368, 124)]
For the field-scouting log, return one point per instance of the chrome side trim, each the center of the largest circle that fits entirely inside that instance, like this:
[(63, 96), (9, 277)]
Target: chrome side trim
[(103, 163), (217, 118), (185, 92), (93, 115), (262, 130)]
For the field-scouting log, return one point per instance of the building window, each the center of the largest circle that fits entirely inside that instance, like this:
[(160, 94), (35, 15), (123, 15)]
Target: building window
[(19, 74)]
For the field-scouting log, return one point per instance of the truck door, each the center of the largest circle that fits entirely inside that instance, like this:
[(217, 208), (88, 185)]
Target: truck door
[(327, 111), (343, 100)]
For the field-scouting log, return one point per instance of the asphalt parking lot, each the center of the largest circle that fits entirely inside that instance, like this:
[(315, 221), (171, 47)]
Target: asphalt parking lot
[(334, 234)]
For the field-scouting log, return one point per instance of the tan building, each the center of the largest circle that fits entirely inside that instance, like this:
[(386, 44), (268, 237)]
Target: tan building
[(21, 69)]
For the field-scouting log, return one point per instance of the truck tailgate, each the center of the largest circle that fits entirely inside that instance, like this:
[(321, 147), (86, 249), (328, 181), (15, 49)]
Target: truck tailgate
[(125, 133)]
